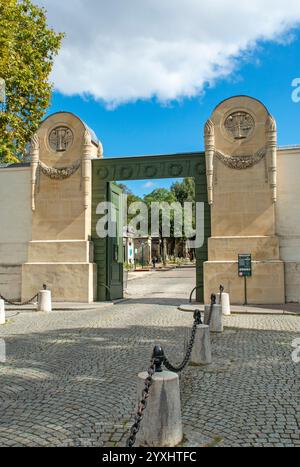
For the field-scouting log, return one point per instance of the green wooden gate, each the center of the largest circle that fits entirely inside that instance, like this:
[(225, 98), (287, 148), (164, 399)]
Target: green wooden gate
[(108, 253), (115, 252)]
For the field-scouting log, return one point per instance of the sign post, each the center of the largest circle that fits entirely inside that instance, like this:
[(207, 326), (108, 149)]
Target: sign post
[(245, 270)]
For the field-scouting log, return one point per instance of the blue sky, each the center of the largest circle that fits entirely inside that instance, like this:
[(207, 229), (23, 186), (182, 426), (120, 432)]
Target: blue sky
[(150, 126)]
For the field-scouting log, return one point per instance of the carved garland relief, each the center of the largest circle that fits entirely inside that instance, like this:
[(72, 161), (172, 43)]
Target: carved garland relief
[(241, 162), (59, 174)]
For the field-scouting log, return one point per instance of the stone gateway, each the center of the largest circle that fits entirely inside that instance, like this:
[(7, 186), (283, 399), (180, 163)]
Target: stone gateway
[(249, 186)]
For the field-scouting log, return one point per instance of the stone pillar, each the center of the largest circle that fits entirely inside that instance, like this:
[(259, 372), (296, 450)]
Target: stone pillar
[(44, 301), (2, 312), (272, 145), (162, 424), (225, 302), (86, 168), (216, 323), (34, 153), (201, 354), (60, 252), (241, 158)]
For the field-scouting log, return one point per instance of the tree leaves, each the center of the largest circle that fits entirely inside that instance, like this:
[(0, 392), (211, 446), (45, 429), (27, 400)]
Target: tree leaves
[(27, 50)]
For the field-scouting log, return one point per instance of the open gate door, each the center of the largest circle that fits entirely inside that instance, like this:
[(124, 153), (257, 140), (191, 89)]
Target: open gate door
[(115, 250)]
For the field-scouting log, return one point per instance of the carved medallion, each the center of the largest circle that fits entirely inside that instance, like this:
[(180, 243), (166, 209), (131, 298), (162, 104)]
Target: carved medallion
[(61, 138), (239, 125)]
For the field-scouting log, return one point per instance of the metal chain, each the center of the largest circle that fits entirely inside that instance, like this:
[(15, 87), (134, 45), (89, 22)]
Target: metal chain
[(187, 357), (142, 406), (212, 304), (159, 359), (19, 304)]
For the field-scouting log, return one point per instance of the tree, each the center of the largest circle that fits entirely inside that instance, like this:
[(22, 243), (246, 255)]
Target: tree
[(27, 50), (184, 191), (161, 195), (131, 197)]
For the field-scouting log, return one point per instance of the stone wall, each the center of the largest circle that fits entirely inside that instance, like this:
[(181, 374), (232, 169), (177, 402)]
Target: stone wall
[(288, 218), (15, 227)]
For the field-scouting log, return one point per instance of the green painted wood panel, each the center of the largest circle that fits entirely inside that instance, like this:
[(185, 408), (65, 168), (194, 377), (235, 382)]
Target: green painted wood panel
[(99, 195), (115, 256)]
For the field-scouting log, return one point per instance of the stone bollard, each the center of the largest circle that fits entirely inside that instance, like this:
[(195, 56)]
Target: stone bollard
[(162, 424), (216, 323), (225, 303), (2, 312), (44, 301), (201, 353)]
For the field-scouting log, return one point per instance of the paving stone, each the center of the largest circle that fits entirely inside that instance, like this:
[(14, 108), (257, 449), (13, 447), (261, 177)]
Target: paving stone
[(70, 376)]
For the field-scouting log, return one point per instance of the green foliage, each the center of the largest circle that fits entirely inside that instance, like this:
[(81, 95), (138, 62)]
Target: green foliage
[(180, 192), (184, 191), (160, 195), (131, 197), (128, 266), (27, 50)]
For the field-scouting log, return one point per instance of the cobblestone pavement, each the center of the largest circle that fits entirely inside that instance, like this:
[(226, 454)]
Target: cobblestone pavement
[(70, 376)]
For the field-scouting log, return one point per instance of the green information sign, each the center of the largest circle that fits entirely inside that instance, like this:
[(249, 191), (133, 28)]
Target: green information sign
[(245, 265)]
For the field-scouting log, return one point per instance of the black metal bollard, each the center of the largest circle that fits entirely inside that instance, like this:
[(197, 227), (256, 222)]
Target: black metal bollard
[(159, 357), (222, 288)]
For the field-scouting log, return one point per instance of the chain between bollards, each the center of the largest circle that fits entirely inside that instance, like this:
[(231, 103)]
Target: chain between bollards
[(142, 405), (157, 361), (213, 302), (28, 302), (180, 368)]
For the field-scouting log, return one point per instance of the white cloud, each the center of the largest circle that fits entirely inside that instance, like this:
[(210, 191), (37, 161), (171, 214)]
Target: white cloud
[(149, 184), (123, 50)]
